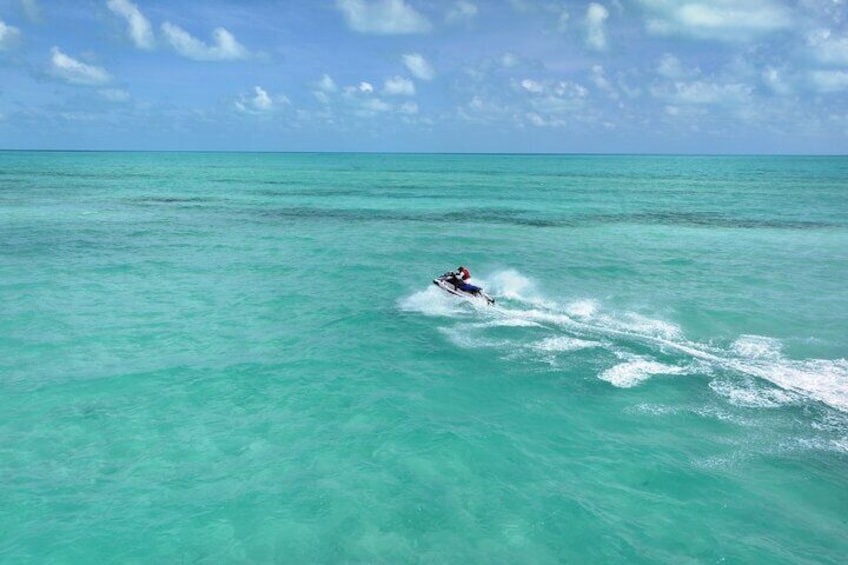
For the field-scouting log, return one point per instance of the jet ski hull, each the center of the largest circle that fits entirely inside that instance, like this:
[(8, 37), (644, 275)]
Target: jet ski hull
[(445, 284)]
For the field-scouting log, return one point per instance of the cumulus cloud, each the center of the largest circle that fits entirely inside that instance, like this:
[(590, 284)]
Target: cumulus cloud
[(509, 60), (670, 67), (532, 86), (324, 88), (326, 84), (140, 30), (601, 82), (596, 31), (372, 106), (399, 86), (259, 102), (361, 101), (484, 110), (552, 103), (408, 108), (722, 20), (384, 17), (10, 36), (775, 80), (828, 47), (75, 72), (461, 11), (830, 81), (418, 66), (704, 92), (225, 47), (557, 88)]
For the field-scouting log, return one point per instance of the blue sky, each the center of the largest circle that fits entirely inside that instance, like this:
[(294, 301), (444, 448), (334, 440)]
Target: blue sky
[(635, 76)]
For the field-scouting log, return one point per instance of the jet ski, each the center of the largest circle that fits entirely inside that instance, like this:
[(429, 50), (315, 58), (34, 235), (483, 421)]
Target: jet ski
[(450, 282)]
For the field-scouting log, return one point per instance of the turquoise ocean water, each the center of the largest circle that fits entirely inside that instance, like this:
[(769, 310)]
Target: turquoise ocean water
[(240, 358)]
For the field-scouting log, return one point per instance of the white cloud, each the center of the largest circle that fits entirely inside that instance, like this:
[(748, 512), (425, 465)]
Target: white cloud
[(76, 72), (599, 78), (461, 11), (372, 106), (830, 81), (722, 20), (835, 11), (537, 120), (384, 17), (115, 94), (552, 103), (829, 48), (398, 86), (324, 88), (418, 66), (225, 48), (703, 92), (326, 84), (409, 108), (362, 103), (775, 80), (532, 86), (509, 60), (480, 110), (259, 102), (596, 31), (670, 67), (10, 36), (139, 27)]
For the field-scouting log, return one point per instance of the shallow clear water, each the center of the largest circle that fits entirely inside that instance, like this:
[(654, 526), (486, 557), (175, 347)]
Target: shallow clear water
[(229, 358)]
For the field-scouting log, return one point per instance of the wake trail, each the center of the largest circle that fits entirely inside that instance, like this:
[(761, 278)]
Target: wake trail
[(584, 324)]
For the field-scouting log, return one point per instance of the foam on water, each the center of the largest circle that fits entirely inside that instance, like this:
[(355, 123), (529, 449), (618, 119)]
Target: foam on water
[(582, 308), (756, 347), (563, 343), (819, 379), (585, 323), (433, 302), (512, 285), (750, 395), (824, 380), (633, 371), (463, 336)]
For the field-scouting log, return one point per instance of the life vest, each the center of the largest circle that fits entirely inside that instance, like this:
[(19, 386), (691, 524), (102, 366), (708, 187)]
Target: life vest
[(464, 274)]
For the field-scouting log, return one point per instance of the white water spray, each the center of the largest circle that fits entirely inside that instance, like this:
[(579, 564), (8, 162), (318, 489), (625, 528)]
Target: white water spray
[(584, 323)]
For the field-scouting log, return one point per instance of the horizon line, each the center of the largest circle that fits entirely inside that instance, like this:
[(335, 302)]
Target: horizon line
[(435, 153)]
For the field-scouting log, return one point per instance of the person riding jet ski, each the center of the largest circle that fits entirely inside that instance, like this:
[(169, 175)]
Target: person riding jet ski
[(461, 278), (457, 282)]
